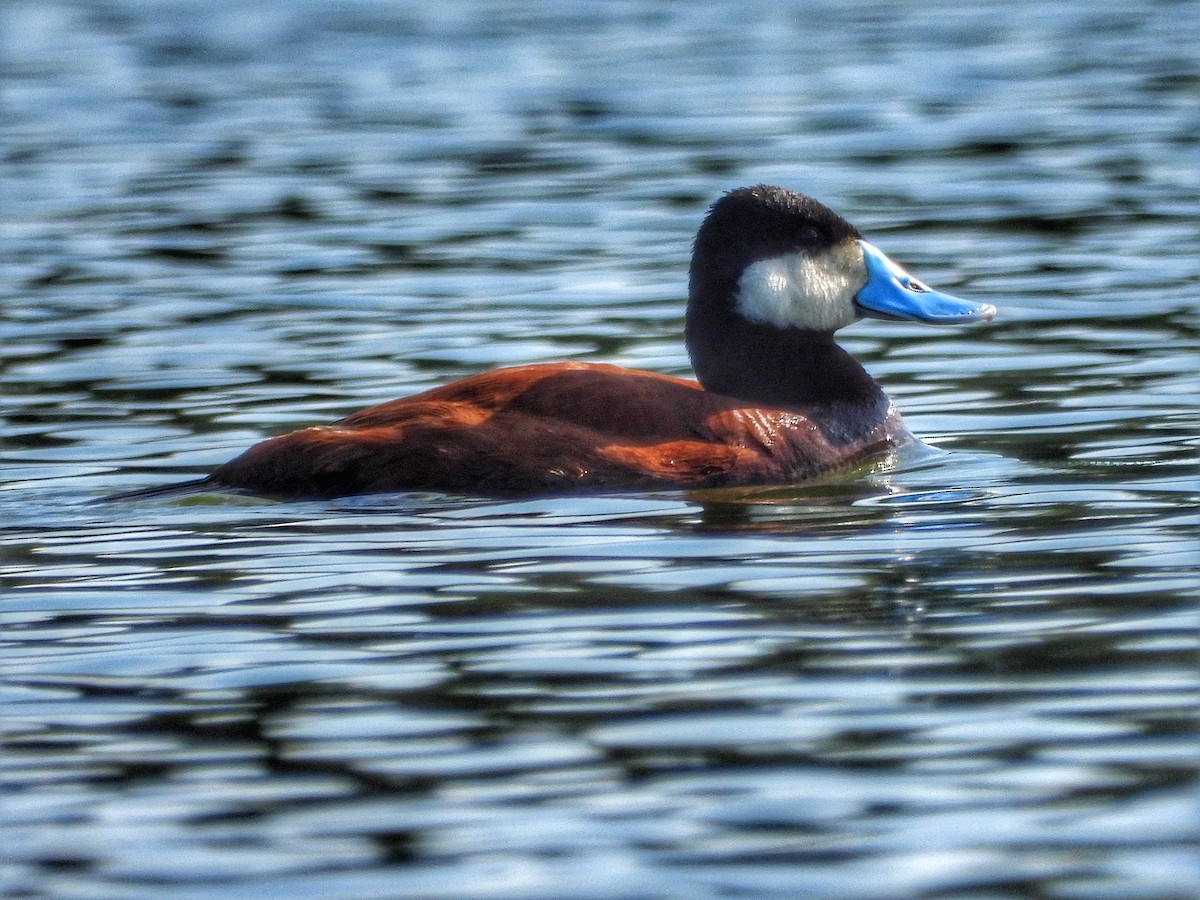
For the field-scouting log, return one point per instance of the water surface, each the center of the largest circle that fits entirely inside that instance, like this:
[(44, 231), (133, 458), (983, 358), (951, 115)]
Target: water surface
[(969, 671)]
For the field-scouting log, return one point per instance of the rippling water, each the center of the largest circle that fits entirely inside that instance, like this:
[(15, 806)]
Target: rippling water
[(970, 672)]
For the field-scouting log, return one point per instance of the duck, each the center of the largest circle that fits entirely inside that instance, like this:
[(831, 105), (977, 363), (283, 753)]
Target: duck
[(774, 275)]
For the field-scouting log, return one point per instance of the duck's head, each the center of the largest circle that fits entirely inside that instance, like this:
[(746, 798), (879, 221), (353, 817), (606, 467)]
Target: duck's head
[(772, 266)]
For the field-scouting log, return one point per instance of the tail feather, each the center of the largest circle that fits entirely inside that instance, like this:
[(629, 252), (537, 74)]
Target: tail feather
[(179, 489)]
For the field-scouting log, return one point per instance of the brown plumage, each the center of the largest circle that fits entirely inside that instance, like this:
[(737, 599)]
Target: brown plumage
[(556, 428)]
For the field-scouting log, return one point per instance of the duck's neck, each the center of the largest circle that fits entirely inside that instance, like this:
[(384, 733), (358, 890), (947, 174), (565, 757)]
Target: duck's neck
[(794, 368)]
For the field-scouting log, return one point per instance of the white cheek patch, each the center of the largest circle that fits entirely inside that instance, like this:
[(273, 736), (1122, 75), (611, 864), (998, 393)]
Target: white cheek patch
[(800, 291)]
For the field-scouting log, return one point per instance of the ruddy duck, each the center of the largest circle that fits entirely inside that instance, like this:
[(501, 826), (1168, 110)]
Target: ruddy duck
[(774, 274)]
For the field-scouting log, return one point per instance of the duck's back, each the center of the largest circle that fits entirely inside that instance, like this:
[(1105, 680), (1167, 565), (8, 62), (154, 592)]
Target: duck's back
[(560, 428)]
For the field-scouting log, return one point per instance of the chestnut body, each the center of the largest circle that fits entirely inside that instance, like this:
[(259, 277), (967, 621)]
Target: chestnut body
[(553, 429)]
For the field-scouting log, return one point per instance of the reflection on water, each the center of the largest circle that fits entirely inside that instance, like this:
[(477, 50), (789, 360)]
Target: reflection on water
[(967, 672)]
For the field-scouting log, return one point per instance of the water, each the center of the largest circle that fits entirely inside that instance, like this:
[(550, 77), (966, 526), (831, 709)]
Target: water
[(968, 672)]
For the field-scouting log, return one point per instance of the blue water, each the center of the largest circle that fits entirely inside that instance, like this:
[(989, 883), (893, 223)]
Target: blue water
[(969, 671)]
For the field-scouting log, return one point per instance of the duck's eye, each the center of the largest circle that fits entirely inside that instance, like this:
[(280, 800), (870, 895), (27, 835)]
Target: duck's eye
[(807, 235)]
